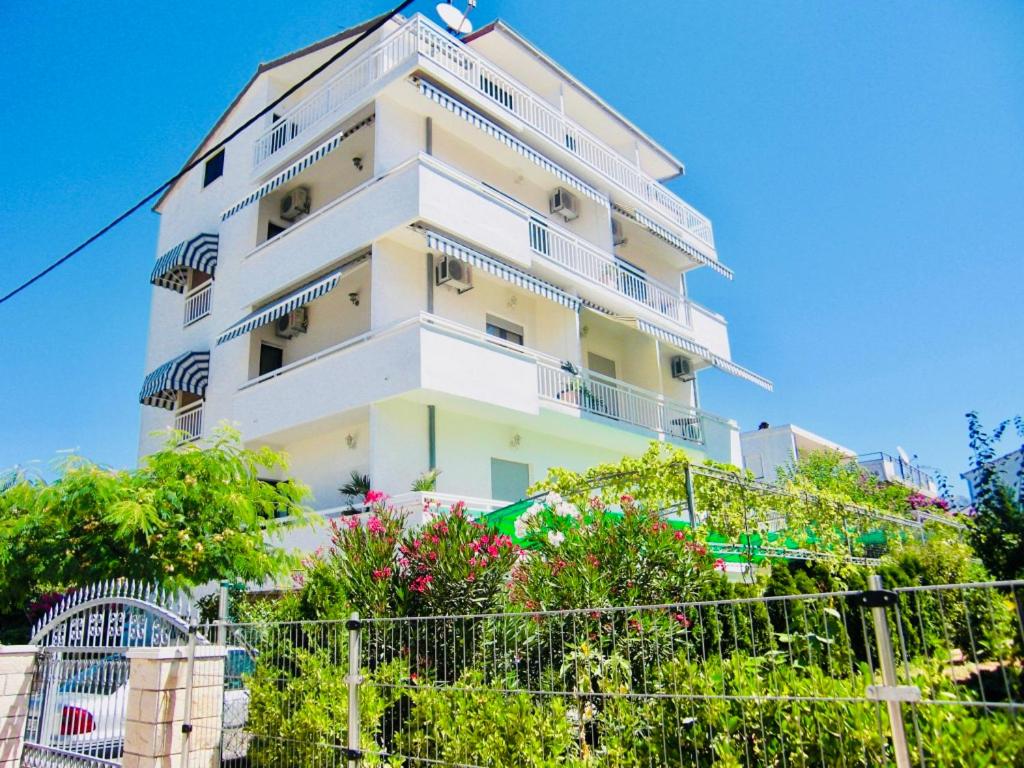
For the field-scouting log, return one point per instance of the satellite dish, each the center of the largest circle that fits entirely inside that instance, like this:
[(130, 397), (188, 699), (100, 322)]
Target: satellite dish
[(903, 455), (456, 20)]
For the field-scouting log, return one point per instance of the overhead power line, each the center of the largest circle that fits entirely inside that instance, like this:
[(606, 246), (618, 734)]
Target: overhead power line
[(381, 20)]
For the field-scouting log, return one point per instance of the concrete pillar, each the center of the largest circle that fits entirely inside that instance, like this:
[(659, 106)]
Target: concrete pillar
[(17, 665), (157, 687)]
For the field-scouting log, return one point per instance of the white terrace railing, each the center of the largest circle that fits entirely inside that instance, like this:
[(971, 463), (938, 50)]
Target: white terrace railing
[(197, 302), (614, 399), (583, 259), (419, 36), (189, 420)]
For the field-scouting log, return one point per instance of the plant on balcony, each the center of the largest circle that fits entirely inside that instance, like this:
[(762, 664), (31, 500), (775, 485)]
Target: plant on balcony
[(578, 392), (426, 481), (356, 488)]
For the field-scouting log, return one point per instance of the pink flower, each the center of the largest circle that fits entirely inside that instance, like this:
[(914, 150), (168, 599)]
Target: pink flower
[(680, 535), (375, 525), (382, 573), (492, 551), (593, 560), (595, 503), (626, 499), (375, 497), (458, 508), (719, 564), (683, 619), (421, 583)]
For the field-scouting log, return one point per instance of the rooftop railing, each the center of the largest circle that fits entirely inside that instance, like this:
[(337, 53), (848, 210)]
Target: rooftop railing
[(895, 469), (418, 36)]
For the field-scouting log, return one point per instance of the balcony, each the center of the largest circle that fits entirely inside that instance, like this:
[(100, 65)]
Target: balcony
[(599, 395), (584, 260), (890, 469), (189, 419), (419, 42), (197, 303)]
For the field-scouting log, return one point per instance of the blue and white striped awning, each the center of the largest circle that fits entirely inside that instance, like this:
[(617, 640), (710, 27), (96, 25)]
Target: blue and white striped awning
[(189, 372), (297, 298), (675, 241), (476, 119), (445, 245), (297, 167), (199, 253), (703, 352)]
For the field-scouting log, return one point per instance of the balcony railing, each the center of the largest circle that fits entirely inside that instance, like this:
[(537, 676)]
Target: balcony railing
[(581, 258), (896, 470), (614, 399), (197, 302), (419, 36), (189, 420)]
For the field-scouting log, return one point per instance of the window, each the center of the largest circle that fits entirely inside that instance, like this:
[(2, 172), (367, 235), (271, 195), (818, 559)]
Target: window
[(271, 358), (509, 480), (274, 229), (214, 169), (504, 330)]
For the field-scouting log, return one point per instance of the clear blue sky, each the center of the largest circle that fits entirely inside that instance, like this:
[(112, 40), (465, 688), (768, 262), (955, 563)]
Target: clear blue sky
[(863, 164)]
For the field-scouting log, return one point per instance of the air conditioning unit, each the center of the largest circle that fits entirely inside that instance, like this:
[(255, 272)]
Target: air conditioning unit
[(564, 202), (618, 238), (295, 204), (682, 369), (292, 324), (454, 273)]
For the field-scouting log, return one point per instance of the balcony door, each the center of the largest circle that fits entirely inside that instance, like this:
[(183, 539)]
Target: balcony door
[(604, 399)]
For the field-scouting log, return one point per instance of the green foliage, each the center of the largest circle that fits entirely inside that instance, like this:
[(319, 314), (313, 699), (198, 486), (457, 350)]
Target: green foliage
[(426, 481), (188, 515), (998, 531), (357, 487)]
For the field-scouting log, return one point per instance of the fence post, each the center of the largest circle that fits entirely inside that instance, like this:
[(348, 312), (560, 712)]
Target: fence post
[(691, 501), (354, 742), (223, 608), (887, 661), (190, 670), (17, 667)]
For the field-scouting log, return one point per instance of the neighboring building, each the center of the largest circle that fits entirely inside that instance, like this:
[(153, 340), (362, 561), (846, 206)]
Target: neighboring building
[(1008, 470), (418, 261), (768, 449)]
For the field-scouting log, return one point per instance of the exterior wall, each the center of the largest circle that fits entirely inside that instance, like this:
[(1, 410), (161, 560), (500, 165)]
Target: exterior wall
[(765, 452), (17, 665), (1007, 469)]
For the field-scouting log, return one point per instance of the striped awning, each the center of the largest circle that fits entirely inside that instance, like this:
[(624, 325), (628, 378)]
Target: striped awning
[(297, 167), (199, 253), (189, 372), (297, 298), (448, 247), (474, 118), (675, 241), (703, 352)]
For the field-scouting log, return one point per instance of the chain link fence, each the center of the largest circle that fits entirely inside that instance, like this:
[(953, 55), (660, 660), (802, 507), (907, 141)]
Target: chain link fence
[(927, 676)]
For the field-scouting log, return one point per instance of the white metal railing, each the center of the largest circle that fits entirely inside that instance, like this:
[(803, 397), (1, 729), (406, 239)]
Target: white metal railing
[(421, 36), (614, 399), (585, 260), (197, 302), (189, 420), (338, 95)]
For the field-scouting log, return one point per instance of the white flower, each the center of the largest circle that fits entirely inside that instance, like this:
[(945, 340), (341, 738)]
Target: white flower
[(553, 499), (555, 538), (534, 509), (522, 527), (565, 509)]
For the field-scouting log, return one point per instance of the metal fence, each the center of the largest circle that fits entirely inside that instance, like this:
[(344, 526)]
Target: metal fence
[(926, 676)]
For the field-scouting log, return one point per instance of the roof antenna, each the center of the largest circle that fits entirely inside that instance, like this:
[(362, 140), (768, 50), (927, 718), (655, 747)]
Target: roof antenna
[(455, 20)]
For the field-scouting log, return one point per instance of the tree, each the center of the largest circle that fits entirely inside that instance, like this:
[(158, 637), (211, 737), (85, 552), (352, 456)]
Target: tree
[(188, 515), (998, 530)]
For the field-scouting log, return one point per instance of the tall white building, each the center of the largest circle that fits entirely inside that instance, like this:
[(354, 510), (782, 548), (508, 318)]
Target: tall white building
[(438, 253)]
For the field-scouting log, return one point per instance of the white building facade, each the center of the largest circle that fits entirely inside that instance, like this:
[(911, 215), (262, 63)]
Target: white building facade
[(420, 262)]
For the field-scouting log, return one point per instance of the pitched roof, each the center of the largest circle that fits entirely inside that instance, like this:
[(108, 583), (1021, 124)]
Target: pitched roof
[(261, 69)]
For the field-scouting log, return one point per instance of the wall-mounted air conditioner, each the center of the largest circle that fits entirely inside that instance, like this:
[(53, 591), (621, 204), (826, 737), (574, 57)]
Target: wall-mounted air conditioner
[(454, 273), (295, 203), (618, 238), (682, 368), (292, 324), (564, 203)]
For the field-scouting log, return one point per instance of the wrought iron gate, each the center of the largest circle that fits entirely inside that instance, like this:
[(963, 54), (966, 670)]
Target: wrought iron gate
[(79, 694)]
